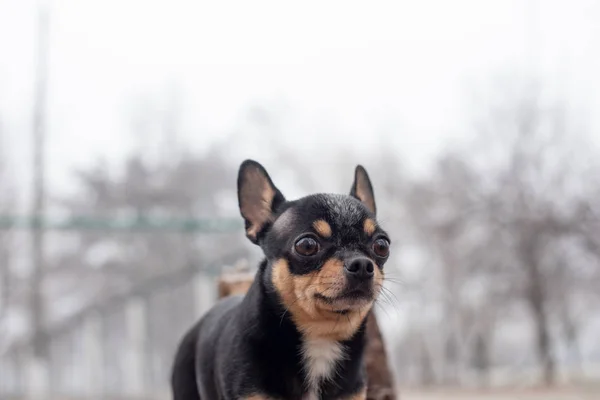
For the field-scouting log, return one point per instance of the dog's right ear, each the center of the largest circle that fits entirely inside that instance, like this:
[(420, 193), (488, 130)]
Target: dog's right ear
[(258, 198)]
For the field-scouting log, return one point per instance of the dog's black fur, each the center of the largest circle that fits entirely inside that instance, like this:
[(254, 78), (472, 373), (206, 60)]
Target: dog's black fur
[(255, 346)]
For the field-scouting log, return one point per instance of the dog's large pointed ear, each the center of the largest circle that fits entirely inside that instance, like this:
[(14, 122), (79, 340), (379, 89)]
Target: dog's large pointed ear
[(258, 198), (362, 188)]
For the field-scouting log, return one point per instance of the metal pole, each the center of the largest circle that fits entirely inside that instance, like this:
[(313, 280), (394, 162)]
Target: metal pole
[(38, 368), (39, 195)]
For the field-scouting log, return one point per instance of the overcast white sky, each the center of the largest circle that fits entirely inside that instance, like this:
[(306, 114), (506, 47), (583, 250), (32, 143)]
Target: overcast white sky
[(352, 73)]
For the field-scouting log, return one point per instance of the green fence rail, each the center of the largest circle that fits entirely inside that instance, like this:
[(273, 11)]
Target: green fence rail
[(139, 223)]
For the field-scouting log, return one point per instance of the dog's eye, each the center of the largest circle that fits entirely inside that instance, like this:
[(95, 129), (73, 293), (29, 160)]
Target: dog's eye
[(307, 246), (381, 247)]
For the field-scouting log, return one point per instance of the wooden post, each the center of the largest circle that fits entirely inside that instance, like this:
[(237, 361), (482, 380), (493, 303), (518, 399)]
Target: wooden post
[(235, 282), (380, 382)]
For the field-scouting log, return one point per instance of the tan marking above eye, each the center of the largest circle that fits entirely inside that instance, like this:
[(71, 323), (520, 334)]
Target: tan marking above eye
[(369, 226), (322, 228)]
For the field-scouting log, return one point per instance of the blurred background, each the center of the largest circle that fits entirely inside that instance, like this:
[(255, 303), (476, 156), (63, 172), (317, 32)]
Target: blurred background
[(123, 122)]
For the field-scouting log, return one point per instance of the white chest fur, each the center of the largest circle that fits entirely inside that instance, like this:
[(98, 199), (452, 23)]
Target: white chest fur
[(320, 362)]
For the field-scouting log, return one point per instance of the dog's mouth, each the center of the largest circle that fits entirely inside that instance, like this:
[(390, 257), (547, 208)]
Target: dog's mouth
[(348, 300)]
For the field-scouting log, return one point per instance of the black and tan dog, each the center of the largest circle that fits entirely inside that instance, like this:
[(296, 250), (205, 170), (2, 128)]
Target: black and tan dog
[(299, 332)]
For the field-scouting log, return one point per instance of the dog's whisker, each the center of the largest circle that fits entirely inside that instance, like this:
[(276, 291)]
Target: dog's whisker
[(383, 288)]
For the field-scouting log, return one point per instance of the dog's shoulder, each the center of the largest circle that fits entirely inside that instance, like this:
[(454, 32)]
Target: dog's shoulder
[(213, 323)]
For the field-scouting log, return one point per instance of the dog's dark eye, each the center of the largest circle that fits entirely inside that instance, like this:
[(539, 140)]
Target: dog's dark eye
[(307, 246), (381, 247)]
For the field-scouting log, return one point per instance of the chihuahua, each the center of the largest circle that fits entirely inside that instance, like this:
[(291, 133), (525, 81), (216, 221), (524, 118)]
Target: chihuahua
[(299, 331)]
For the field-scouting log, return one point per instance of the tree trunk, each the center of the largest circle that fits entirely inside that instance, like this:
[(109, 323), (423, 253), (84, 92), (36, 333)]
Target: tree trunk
[(426, 366), (481, 359), (543, 340), (536, 297)]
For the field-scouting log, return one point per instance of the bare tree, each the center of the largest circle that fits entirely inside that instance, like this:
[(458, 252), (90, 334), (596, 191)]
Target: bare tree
[(445, 214), (508, 220), (536, 213), (530, 199)]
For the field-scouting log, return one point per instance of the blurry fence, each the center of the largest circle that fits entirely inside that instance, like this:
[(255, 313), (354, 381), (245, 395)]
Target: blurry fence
[(118, 347), (122, 346)]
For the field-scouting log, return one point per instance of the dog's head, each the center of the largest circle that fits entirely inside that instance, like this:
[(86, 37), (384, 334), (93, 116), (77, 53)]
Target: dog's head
[(325, 252)]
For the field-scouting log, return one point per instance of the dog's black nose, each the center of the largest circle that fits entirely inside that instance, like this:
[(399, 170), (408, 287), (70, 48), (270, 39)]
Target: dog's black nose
[(360, 269)]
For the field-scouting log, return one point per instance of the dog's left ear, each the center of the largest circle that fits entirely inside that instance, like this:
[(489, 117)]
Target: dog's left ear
[(258, 198), (362, 188)]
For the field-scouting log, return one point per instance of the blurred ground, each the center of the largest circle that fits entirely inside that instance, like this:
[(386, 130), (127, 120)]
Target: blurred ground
[(530, 394), (457, 394)]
